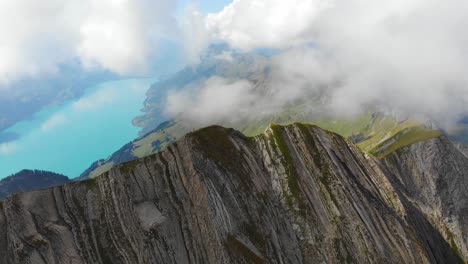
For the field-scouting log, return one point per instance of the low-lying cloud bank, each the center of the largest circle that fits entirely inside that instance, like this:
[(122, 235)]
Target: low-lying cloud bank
[(406, 56)]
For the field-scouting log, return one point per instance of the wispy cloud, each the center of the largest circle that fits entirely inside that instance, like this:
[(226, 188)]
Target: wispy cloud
[(212, 101), (54, 121), (101, 97), (8, 148)]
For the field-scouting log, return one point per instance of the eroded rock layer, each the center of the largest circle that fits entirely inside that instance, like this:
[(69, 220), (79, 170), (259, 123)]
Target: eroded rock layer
[(295, 194)]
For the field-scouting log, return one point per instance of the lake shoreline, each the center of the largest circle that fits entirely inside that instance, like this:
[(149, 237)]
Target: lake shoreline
[(63, 138)]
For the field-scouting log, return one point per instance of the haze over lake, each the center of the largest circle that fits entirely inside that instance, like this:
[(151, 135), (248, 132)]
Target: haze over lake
[(64, 138)]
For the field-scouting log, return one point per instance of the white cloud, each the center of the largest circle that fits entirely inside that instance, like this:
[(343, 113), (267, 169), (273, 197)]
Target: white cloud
[(212, 101), (408, 56), (249, 24), (35, 36), (54, 121), (8, 148), (195, 36), (119, 35), (99, 98), (226, 56)]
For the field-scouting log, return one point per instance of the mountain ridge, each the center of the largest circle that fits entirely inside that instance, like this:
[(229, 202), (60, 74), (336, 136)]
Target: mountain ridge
[(374, 133), (28, 180), (293, 194)]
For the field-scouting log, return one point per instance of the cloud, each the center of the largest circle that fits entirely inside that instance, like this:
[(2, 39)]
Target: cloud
[(36, 36), (404, 56), (292, 78), (248, 24), (194, 35), (96, 99), (407, 57), (8, 148), (54, 121), (225, 56), (118, 35), (212, 101)]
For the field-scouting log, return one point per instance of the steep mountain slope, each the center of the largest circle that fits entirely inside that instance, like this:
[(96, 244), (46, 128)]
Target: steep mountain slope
[(28, 180), (433, 174), (295, 194)]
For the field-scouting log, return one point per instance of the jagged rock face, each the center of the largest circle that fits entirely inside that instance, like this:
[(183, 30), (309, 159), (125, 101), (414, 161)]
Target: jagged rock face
[(433, 175), (295, 194), (462, 147)]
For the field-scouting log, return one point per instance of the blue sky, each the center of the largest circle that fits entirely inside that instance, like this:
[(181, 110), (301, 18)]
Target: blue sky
[(206, 6)]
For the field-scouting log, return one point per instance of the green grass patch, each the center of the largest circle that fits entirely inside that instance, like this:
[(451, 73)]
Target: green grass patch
[(320, 162), (215, 144), (277, 139), (382, 131), (402, 138), (166, 136), (103, 167), (91, 184), (128, 166), (452, 242), (372, 132)]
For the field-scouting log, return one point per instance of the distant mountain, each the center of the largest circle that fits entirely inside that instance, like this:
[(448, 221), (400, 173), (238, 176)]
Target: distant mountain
[(373, 131), (240, 65), (28, 180), (166, 133), (293, 194), (156, 130)]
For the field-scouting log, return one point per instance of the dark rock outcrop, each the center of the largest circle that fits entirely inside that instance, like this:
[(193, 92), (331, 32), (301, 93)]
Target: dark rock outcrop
[(295, 194)]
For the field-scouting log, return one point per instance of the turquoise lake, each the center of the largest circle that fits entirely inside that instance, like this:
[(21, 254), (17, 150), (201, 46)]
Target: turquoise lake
[(68, 138)]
